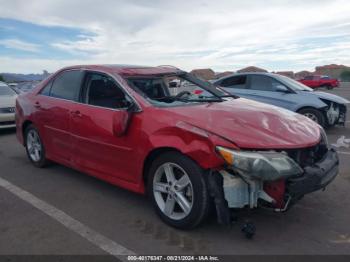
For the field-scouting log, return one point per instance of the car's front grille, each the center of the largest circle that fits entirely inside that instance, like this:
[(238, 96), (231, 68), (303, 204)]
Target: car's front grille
[(8, 110), (308, 156), (7, 123)]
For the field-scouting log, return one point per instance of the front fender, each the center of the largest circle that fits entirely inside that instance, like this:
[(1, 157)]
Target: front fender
[(199, 147), (313, 101)]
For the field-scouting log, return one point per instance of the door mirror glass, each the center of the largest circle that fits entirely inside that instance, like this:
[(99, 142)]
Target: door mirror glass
[(121, 120)]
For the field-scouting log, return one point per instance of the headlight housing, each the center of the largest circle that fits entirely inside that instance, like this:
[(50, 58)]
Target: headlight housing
[(267, 166)]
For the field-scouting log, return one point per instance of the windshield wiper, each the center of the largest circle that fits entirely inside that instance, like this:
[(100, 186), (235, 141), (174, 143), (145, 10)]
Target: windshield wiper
[(233, 96), (199, 100), (190, 100)]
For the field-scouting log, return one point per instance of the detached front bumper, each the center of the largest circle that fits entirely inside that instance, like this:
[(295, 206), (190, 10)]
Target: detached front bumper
[(315, 177), (231, 191)]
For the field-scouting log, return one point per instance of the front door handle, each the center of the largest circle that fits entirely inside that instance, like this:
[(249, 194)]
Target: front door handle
[(37, 104)]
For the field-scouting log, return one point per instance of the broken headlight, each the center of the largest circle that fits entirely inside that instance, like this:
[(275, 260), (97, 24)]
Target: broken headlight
[(267, 166)]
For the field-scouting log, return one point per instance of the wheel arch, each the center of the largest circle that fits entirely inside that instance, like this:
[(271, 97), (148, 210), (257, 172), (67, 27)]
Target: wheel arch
[(152, 155), (25, 124), (322, 110)]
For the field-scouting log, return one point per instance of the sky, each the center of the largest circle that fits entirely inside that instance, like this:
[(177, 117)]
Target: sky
[(223, 35)]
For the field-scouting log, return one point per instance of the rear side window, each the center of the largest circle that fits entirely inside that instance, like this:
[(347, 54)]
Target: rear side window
[(234, 82), (67, 85), (46, 90)]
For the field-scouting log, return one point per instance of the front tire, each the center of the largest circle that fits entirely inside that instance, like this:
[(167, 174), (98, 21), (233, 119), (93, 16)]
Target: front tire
[(314, 115), (34, 147), (178, 190)]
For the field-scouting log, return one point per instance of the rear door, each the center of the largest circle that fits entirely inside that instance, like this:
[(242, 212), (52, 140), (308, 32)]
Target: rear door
[(53, 106)]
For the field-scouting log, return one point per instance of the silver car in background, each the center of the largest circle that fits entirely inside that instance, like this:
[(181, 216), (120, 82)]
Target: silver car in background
[(7, 106)]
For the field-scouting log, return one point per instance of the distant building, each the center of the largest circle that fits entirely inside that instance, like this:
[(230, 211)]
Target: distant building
[(332, 70), (302, 74), (222, 74), (286, 73), (252, 69), (205, 74)]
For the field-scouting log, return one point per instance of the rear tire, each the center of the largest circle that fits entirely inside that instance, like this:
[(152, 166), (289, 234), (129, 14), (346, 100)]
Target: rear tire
[(178, 191), (314, 115), (34, 147)]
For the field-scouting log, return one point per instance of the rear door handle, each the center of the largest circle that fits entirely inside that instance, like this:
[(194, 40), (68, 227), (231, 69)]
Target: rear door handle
[(76, 113)]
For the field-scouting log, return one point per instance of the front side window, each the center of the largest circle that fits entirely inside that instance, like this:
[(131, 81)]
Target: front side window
[(263, 83), (67, 85), (101, 90), (291, 83), (175, 90), (234, 82)]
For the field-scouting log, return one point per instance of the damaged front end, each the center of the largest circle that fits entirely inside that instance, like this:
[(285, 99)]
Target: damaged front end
[(335, 113), (270, 179)]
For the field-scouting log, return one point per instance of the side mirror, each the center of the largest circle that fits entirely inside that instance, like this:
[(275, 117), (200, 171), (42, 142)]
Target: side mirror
[(121, 120), (282, 88)]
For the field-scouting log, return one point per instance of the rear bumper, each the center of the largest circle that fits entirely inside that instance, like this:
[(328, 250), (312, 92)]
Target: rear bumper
[(315, 177)]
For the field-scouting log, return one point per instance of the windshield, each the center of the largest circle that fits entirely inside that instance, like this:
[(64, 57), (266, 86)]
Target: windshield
[(6, 91), (293, 84), (176, 90)]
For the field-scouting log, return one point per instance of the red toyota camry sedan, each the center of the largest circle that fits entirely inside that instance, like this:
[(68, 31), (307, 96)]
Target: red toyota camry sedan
[(186, 143)]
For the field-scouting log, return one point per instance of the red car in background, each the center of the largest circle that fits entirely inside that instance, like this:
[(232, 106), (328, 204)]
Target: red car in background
[(316, 81), (189, 151)]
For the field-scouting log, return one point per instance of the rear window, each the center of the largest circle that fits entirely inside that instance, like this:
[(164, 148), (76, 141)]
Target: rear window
[(6, 91)]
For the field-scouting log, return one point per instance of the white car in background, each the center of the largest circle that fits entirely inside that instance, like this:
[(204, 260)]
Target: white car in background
[(7, 106)]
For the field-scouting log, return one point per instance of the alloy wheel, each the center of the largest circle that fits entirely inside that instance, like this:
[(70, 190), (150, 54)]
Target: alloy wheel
[(34, 145), (312, 117), (173, 191)]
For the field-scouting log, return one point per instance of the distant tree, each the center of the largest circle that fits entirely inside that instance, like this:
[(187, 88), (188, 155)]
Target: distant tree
[(345, 76), (2, 79)]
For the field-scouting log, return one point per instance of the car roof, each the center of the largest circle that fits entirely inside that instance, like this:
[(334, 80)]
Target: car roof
[(130, 70)]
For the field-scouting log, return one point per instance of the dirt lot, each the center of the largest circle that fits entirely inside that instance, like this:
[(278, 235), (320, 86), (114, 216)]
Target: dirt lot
[(78, 214)]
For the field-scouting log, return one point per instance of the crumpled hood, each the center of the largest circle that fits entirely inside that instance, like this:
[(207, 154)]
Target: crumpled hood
[(331, 97), (251, 124), (7, 101)]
